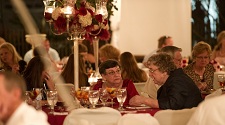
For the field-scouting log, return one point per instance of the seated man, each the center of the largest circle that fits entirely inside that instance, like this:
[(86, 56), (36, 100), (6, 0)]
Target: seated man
[(53, 54), (13, 110), (177, 91)]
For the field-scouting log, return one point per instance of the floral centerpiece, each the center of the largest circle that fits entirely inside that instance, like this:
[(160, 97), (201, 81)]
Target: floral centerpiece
[(66, 16)]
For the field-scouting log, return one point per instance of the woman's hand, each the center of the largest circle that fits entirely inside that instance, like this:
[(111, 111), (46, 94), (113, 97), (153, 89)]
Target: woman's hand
[(202, 86), (136, 100), (49, 81), (15, 68)]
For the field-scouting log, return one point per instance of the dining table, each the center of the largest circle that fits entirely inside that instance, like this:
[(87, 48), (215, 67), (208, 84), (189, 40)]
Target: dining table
[(60, 113)]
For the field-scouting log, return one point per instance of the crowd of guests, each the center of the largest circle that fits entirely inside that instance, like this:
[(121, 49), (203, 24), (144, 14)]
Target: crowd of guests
[(168, 85)]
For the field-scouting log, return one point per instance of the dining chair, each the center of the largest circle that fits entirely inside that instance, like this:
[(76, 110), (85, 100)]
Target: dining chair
[(99, 116), (174, 117), (137, 119), (139, 87), (216, 93)]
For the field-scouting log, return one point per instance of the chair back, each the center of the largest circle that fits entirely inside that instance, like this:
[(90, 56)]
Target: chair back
[(174, 117), (139, 87), (100, 116), (137, 119), (216, 93)]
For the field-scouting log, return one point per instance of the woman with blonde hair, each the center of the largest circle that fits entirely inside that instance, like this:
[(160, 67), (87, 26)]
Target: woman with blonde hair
[(108, 51), (219, 50), (10, 59), (200, 70), (130, 69)]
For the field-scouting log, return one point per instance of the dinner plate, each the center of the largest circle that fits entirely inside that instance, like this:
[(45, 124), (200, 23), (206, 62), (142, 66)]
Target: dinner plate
[(138, 107)]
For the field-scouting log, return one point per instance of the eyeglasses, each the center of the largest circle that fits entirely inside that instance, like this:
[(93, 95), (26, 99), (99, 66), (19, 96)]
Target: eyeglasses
[(202, 57), (118, 71), (152, 71)]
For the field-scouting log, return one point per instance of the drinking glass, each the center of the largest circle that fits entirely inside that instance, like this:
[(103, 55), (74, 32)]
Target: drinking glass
[(52, 98), (121, 96), (221, 80), (103, 95), (112, 94), (93, 97), (36, 97)]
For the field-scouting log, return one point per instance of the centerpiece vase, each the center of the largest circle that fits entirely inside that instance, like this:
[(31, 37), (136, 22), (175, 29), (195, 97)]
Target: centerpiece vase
[(96, 74)]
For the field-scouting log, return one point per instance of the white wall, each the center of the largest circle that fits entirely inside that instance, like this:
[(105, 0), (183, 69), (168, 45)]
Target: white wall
[(144, 21)]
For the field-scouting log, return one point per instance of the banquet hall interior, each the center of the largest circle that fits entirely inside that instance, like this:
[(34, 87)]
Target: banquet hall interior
[(133, 26)]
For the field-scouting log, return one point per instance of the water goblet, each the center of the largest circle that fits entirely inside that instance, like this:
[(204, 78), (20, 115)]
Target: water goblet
[(221, 80), (103, 95), (112, 94), (121, 96), (93, 97), (52, 98)]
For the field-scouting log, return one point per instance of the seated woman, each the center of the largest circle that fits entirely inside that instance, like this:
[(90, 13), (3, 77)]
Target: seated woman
[(200, 70), (218, 53), (108, 51), (36, 75), (111, 75), (10, 59), (178, 91), (130, 70), (68, 72)]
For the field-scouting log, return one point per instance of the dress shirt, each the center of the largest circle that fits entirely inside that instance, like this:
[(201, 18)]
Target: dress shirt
[(27, 115), (52, 52)]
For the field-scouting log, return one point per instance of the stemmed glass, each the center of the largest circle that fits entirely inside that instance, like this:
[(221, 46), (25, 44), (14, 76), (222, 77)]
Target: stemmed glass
[(52, 98), (103, 95), (36, 96), (112, 94), (93, 97), (121, 96), (221, 80)]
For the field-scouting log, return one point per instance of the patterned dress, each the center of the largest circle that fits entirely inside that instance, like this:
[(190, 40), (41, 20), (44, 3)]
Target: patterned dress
[(207, 76)]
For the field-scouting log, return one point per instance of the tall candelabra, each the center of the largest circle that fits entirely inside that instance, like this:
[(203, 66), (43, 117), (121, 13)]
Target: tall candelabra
[(81, 20)]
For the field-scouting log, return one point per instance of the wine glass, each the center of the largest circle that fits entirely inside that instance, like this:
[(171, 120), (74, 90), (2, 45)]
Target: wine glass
[(121, 96), (221, 80), (93, 97), (52, 98), (112, 94), (103, 95)]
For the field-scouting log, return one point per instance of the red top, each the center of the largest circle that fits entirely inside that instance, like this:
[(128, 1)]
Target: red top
[(131, 90)]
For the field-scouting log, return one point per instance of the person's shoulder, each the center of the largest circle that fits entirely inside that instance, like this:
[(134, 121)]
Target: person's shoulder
[(52, 50), (29, 52)]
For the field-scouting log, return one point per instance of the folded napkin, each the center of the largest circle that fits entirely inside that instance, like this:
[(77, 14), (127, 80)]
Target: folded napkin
[(60, 113)]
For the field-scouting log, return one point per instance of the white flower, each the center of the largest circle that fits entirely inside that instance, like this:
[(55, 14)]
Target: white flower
[(56, 13), (85, 20)]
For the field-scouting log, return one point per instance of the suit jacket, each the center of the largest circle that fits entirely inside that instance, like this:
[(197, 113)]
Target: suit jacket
[(178, 92)]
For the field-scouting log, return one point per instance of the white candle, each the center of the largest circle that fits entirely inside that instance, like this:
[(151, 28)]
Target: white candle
[(76, 64), (49, 10), (68, 10)]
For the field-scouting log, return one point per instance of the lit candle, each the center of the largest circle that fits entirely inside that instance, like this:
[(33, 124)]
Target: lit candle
[(68, 10), (49, 10)]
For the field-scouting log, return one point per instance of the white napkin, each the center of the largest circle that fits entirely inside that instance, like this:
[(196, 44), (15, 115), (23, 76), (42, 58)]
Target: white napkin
[(60, 113)]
